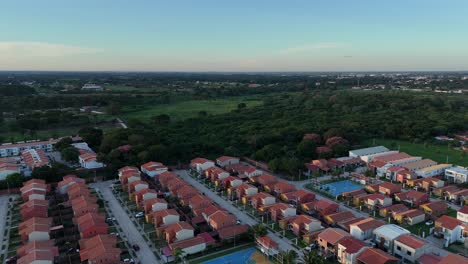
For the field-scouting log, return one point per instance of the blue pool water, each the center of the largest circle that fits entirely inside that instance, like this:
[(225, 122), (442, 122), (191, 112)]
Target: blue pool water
[(239, 257), (337, 188)]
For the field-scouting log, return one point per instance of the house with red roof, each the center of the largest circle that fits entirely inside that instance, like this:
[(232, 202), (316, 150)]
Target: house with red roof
[(83, 205), (34, 158), (189, 246), (449, 228), (231, 182), (201, 164), (324, 207), (389, 189), (37, 252), (175, 186), (410, 217), (185, 193), (459, 196), (78, 189), (144, 195), (129, 177), (298, 197), (462, 214), (335, 218), (409, 248), (127, 169), (452, 258), (322, 164), (176, 232), (246, 190), (392, 209), (280, 188), (372, 188), (363, 229), (199, 201), (67, 181), (137, 186), (375, 256), (280, 211), (442, 192), (221, 219), (153, 168), (35, 229), (404, 175), (348, 250), (34, 208), (154, 205), (88, 160), (267, 245), (301, 224), (165, 217), (429, 259), (265, 180), (412, 198), (224, 161), (91, 224), (100, 249), (215, 174), (328, 240), (251, 172), (434, 209), (428, 184), (311, 169), (260, 200), (376, 201), (34, 189), (165, 177)]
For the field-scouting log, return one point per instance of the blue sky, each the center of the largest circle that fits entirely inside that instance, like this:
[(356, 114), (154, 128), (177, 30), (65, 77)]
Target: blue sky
[(240, 35)]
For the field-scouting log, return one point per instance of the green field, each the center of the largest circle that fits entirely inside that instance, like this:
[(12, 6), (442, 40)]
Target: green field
[(186, 109), (437, 153)]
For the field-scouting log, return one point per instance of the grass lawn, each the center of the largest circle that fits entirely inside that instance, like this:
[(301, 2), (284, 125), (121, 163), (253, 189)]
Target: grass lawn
[(437, 153), (186, 109), (418, 229)]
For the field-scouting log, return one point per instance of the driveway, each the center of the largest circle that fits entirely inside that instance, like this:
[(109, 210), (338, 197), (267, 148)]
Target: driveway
[(284, 244), (133, 236)]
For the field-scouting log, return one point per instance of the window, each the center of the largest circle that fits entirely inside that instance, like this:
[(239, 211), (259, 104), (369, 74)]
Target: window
[(408, 253), (398, 248)]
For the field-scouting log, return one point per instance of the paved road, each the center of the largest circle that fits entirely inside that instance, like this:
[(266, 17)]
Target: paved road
[(133, 236), (3, 213), (284, 244)]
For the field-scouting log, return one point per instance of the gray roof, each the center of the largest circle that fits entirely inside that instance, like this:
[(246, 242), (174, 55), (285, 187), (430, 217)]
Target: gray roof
[(368, 151), (391, 231)]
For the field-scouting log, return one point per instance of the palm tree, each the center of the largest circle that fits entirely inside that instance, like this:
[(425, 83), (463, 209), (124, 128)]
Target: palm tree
[(259, 230), (288, 257), (178, 255), (311, 257)]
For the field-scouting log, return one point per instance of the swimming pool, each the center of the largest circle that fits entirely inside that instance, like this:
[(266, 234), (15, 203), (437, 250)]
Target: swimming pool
[(246, 256), (337, 188)]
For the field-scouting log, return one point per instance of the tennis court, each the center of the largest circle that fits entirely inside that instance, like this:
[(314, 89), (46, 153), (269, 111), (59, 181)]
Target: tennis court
[(337, 188)]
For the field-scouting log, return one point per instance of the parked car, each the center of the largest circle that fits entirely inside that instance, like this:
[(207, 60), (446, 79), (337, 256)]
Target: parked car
[(139, 214), (430, 222), (136, 247), (238, 222)]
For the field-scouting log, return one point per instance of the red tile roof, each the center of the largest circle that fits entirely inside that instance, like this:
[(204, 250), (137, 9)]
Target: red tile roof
[(225, 158), (448, 222), (464, 209), (429, 259), (267, 242), (352, 244), (375, 256), (231, 231), (411, 241), (186, 243), (152, 166), (333, 235), (368, 224)]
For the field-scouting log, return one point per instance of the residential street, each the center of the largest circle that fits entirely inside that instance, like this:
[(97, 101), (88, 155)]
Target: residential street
[(284, 243), (133, 236)]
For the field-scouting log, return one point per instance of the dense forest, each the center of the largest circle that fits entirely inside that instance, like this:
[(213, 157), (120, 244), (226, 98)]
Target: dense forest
[(273, 132)]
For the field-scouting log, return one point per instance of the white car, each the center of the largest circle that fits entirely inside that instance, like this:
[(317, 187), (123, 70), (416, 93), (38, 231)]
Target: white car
[(310, 247), (139, 215)]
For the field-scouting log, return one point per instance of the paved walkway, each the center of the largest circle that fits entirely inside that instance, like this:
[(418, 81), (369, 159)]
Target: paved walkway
[(145, 254), (284, 244)]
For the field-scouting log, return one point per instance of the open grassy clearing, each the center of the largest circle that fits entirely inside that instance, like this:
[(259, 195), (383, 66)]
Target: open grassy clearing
[(437, 153), (186, 109)]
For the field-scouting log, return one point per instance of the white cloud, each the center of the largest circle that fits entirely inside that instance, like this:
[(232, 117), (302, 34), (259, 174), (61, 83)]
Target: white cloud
[(20, 50), (308, 48)]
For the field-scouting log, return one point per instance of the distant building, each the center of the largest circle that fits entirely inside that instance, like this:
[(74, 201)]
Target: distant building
[(456, 174), (34, 158), (7, 169), (90, 87)]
